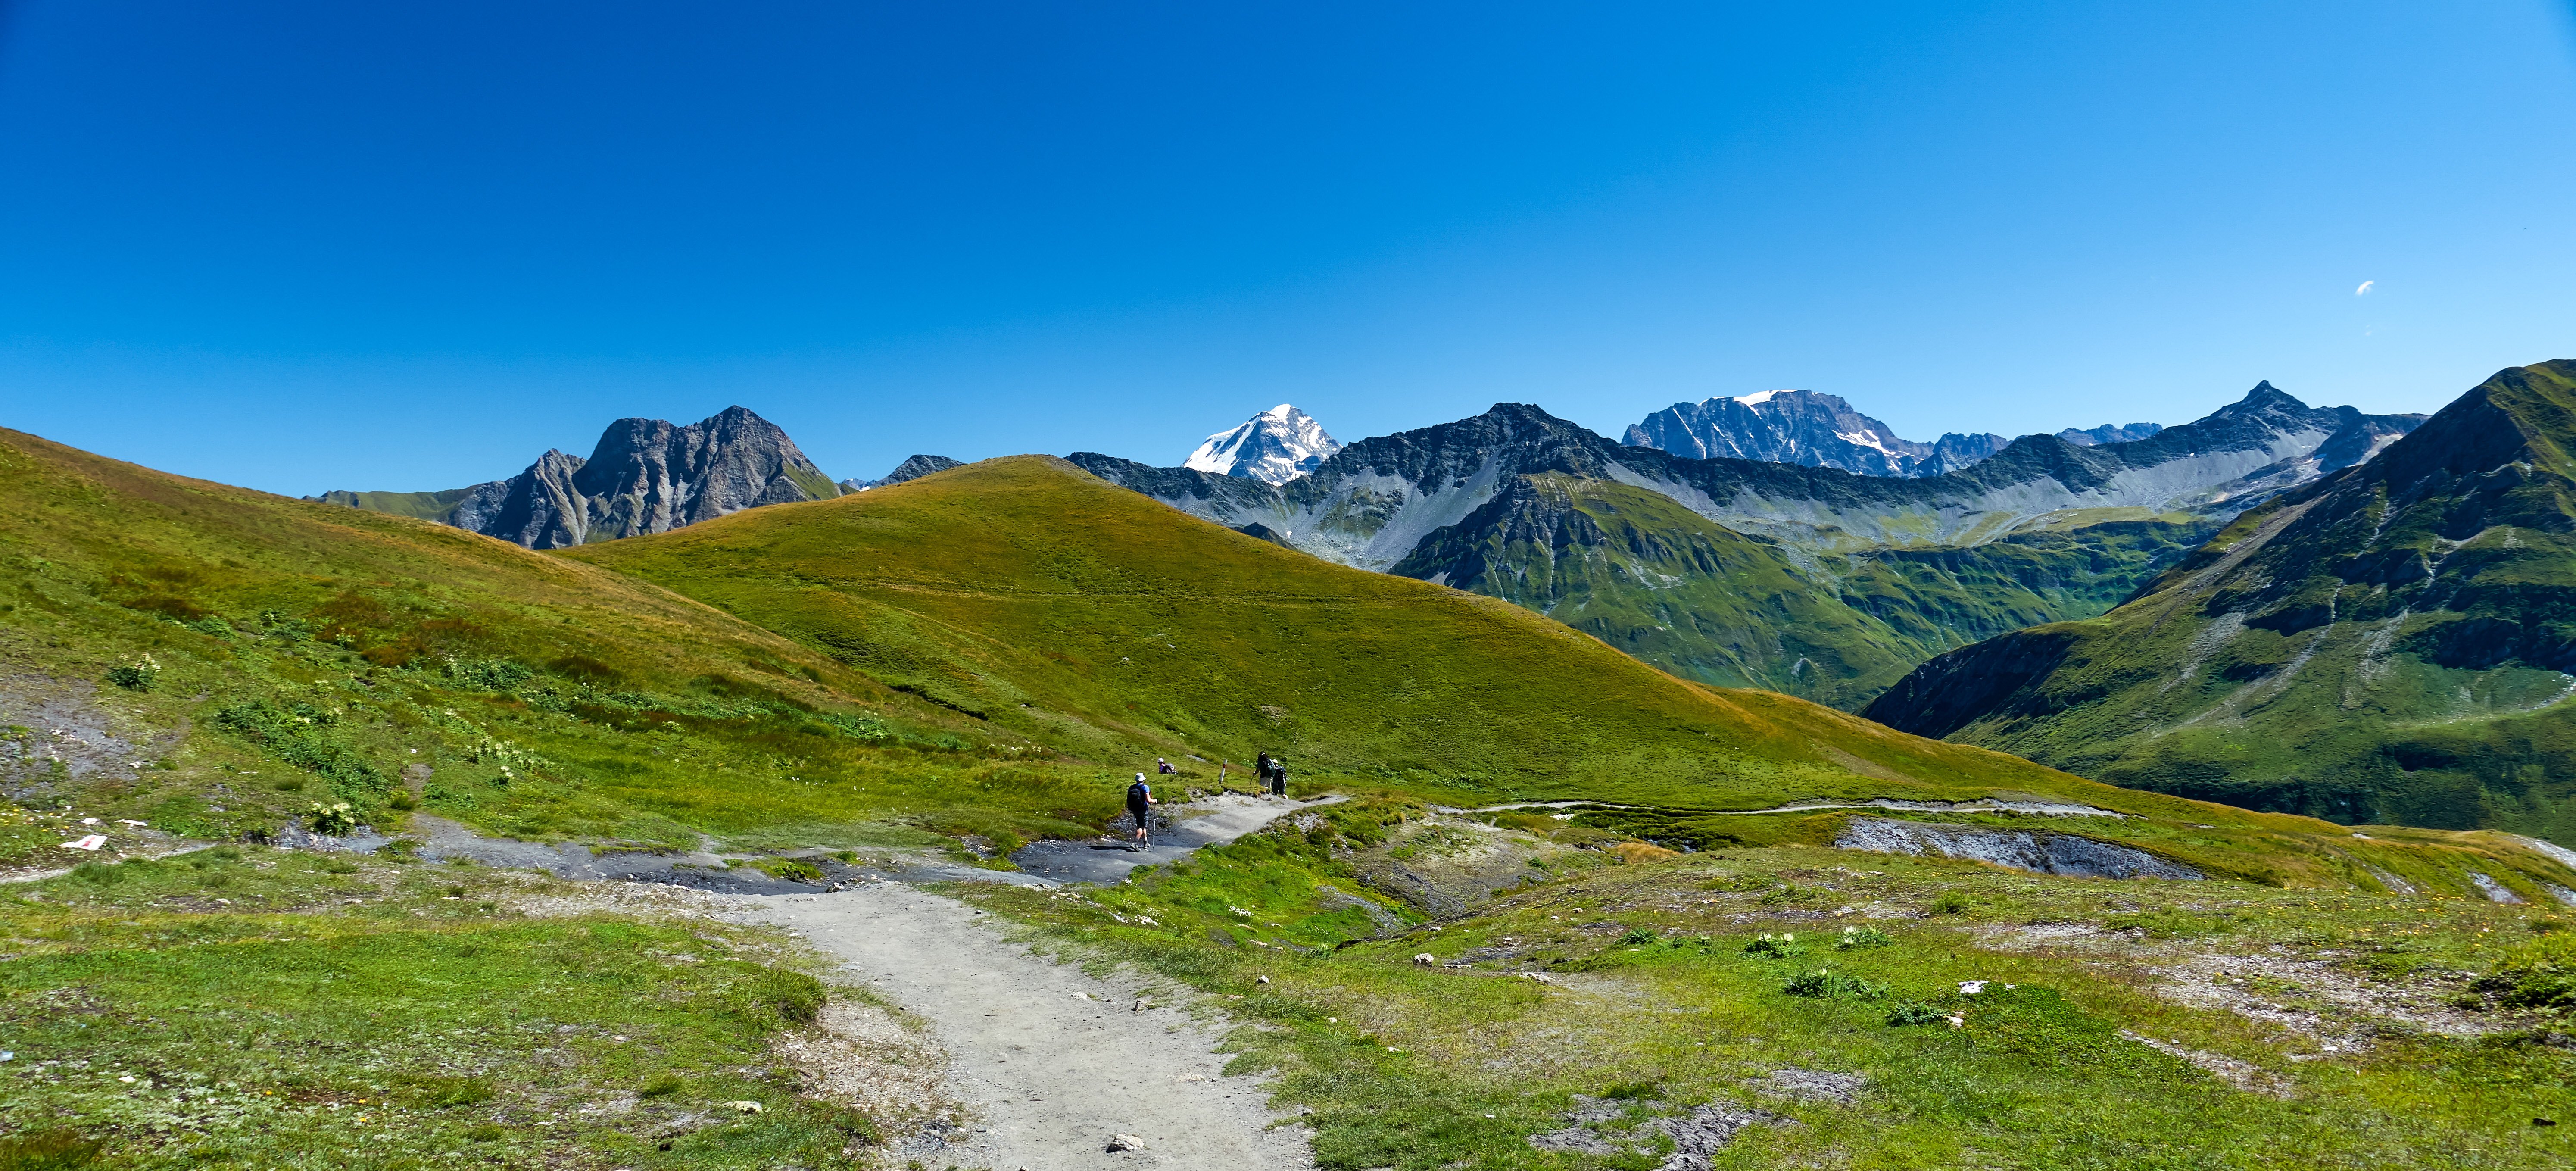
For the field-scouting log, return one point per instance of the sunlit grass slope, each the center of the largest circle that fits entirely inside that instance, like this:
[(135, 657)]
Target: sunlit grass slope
[(313, 654), (1048, 602)]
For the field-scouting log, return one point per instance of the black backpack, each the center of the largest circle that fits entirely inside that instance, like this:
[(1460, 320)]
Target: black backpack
[(1136, 793)]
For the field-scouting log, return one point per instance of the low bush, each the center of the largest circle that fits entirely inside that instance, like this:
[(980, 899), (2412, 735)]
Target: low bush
[(1828, 984), (792, 869), (1914, 1012), (1859, 937), (1777, 947), (135, 676)]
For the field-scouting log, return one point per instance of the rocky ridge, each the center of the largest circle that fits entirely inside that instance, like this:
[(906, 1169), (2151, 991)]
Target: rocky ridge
[(913, 468), (644, 476), (1806, 428)]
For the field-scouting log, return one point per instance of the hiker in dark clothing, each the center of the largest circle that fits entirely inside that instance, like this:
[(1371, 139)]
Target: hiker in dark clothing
[(1140, 799)]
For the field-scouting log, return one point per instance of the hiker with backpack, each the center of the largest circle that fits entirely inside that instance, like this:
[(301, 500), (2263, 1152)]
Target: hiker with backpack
[(1273, 773), (1140, 800)]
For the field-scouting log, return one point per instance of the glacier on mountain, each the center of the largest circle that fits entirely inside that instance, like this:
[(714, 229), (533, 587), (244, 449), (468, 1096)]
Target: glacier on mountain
[(1274, 447)]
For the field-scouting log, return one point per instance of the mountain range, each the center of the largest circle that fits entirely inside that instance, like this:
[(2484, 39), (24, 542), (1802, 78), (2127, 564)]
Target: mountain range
[(1817, 430), (1805, 428), (1810, 580), (2391, 642), (1274, 447)]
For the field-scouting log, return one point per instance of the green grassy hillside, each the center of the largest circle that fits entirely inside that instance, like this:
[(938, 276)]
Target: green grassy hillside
[(1641, 572), (218, 661), (1054, 606), (2391, 644), (989, 650)]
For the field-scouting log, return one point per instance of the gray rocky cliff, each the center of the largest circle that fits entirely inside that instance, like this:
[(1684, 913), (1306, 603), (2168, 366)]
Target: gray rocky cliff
[(645, 476), (910, 469)]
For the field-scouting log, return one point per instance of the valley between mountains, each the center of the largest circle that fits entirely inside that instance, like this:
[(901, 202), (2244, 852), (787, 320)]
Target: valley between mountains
[(1582, 898)]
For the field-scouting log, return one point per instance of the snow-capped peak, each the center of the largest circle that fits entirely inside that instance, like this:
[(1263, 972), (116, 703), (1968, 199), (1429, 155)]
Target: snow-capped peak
[(1275, 446), (1760, 397)]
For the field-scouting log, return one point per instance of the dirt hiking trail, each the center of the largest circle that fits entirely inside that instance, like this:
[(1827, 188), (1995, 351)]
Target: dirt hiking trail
[(1056, 1064)]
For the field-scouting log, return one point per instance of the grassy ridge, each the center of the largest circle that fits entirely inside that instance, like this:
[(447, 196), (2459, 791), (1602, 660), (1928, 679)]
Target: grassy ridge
[(305, 654), (1047, 602), (2389, 645), (1641, 572), (981, 651), (1063, 609)]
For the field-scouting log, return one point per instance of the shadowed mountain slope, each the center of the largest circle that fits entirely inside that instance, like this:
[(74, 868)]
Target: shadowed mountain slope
[(1637, 570), (2392, 643)]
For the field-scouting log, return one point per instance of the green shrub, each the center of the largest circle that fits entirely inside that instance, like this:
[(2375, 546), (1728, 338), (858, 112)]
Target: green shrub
[(340, 866), (666, 1084), (1777, 947), (1632, 1091), (135, 676), (299, 735), (1914, 1012), (99, 873), (485, 1133), (792, 869), (1828, 984), (1639, 936), (1952, 903), (335, 819), (487, 674), (1858, 937)]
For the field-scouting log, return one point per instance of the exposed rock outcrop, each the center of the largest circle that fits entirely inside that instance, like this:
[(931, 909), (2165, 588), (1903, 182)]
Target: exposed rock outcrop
[(645, 476)]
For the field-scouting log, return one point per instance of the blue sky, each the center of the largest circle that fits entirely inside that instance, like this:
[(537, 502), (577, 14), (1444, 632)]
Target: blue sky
[(322, 245)]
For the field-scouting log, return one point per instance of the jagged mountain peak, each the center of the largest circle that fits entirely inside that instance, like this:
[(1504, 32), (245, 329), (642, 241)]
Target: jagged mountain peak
[(643, 476), (1804, 427), (913, 468), (1274, 447)]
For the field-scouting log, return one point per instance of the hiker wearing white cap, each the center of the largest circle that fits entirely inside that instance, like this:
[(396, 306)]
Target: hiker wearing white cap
[(1139, 797)]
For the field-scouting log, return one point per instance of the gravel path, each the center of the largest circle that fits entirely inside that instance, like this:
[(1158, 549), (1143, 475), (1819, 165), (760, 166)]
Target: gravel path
[(1056, 1064), (1207, 821)]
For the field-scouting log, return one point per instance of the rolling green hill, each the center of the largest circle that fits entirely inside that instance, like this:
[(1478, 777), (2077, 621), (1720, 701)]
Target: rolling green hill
[(1053, 606), (2392, 643), (987, 650)]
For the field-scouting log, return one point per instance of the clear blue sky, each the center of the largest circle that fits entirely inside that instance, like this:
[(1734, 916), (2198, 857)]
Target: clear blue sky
[(332, 245)]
